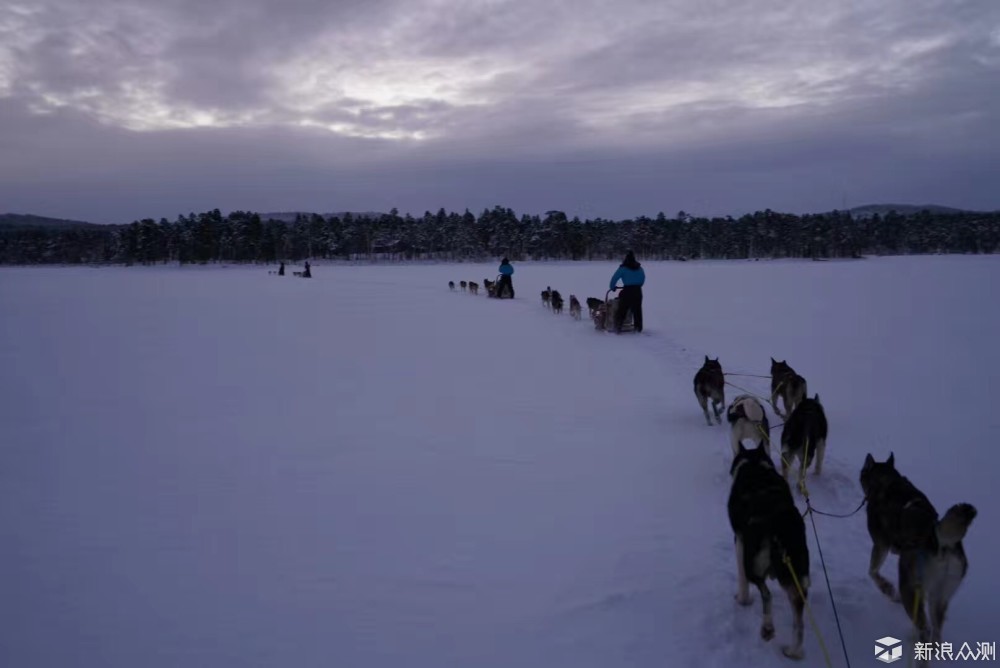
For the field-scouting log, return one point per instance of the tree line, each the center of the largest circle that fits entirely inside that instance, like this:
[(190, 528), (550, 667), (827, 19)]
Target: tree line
[(243, 237)]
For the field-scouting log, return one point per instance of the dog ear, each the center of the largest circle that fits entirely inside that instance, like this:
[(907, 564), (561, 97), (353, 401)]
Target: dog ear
[(816, 398), (892, 460), (706, 359), (772, 361), (869, 460)]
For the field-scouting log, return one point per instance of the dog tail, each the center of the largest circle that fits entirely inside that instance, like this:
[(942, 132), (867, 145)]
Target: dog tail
[(952, 527)]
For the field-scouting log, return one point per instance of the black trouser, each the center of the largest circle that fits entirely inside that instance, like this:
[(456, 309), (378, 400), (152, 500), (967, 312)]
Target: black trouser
[(505, 280), (629, 299)]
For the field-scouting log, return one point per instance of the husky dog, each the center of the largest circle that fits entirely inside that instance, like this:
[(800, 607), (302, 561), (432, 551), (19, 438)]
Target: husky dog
[(600, 316), (787, 384), (462, 284), (932, 561), (474, 288), (546, 296), (747, 420), (451, 285), (709, 383), (593, 303), (803, 435), (768, 530), (574, 307), (557, 301), (491, 289)]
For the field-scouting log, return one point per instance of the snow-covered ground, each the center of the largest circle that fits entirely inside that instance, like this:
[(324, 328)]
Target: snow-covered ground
[(218, 467)]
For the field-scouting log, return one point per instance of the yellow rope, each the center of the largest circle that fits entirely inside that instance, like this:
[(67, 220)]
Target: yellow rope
[(788, 464), (774, 397), (812, 620), (802, 473), (916, 608), (767, 436)]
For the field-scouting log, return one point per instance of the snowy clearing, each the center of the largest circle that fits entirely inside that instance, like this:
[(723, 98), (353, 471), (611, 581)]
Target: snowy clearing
[(219, 467)]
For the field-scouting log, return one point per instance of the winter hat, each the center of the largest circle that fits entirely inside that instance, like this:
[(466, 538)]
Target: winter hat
[(503, 261), (629, 257)]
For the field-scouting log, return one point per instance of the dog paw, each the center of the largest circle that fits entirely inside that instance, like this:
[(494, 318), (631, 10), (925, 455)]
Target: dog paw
[(793, 652), (767, 631)]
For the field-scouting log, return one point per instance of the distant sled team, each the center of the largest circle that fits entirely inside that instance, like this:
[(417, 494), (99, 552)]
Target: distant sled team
[(305, 273), (621, 314), (502, 288), (769, 531)]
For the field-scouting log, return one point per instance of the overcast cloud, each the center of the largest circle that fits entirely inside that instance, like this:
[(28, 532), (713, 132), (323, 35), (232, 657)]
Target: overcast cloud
[(112, 111)]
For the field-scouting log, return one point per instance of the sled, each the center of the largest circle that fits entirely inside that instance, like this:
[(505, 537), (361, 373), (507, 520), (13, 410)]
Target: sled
[(494, 290), (604, 316)]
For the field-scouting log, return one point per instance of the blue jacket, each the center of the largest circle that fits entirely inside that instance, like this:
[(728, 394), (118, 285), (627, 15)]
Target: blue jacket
[(507, 269), (629, 277)]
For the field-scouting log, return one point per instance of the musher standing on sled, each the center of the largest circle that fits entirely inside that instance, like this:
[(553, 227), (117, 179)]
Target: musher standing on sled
[(506, 271), (632, 277)]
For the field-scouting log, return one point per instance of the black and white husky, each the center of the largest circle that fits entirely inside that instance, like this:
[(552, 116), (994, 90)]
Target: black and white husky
[(710, 383), (932, 561), (770, 539), (788, 385), (803, 437), (748, 421)]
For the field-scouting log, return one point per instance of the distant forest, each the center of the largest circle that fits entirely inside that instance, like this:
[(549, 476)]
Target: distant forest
[(243, 237)]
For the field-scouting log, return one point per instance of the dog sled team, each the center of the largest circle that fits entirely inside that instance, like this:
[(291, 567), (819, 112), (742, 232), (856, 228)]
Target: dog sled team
[(502, 288), (769, 531), (305, 273), (623, 313)]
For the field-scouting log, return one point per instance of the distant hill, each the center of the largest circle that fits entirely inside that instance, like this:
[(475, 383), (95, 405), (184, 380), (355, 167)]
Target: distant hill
[(870, 210), (289, 216), (8, 220)]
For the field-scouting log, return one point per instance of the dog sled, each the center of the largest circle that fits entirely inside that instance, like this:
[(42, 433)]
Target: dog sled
[(604, 315), (497, 291)]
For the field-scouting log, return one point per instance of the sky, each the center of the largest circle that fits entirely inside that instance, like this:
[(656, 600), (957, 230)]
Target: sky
[(113, 111)]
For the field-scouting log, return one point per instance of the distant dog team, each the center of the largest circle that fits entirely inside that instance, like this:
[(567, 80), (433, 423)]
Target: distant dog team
[(550, 298), (623, 313)]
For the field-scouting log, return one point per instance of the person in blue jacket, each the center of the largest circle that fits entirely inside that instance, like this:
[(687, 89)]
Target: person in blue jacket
[(632, 277), (506, 271)]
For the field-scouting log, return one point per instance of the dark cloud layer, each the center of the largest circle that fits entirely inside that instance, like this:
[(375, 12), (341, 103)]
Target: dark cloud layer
[(113, 112)]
